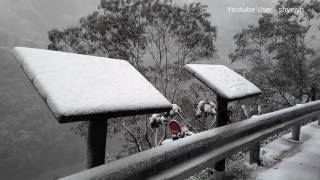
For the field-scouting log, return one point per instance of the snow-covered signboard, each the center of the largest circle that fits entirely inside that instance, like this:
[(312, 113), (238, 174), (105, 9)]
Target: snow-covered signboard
[(223, 80), (80, 87)]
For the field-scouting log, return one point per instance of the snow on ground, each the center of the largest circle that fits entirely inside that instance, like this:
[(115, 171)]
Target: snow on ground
[(282, 159), (223, 80), (74, 84), (287, 159)]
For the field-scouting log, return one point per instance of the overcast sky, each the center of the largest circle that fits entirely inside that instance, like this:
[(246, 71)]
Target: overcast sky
[(26, 22)]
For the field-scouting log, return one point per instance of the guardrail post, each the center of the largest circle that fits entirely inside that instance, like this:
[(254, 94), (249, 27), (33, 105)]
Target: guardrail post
[(296, 132), (314, 96), (296, 129), (255, 153), (96, 143), (222, 119)]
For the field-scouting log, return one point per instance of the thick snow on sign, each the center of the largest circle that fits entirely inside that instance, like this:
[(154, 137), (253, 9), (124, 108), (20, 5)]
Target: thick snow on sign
[(80, 87), (224, 81)]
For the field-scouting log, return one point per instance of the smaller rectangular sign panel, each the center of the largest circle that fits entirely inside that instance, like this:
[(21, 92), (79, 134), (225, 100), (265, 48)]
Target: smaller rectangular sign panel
[(223, 80)]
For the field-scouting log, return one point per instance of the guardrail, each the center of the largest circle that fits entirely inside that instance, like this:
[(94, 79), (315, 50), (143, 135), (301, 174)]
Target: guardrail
[(189, 155)]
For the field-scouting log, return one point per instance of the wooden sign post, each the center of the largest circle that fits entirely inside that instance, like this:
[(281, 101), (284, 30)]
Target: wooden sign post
[(228, 86), (87, 88)]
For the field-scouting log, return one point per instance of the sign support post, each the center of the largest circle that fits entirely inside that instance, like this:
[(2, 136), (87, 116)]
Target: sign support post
[(222, 119), (96, 143)]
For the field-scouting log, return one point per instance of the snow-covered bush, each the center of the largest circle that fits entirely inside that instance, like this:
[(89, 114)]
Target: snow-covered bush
[(205, 107), (175, 110), (156, 120)]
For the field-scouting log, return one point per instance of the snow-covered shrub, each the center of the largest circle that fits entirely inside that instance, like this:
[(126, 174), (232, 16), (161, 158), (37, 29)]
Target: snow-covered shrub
[(156, 120), (205, 108), (175, 110)]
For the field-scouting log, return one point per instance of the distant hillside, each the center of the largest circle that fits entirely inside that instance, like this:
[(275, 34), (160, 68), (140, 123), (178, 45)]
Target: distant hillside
[(31, 139)]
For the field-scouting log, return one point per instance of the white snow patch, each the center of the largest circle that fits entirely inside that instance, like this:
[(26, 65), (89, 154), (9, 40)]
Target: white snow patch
[(287, 160), (74, 84), (282, 159), (223, 80)]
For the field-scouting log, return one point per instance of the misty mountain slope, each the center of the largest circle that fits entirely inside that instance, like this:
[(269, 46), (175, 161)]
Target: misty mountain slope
[(28, 132)]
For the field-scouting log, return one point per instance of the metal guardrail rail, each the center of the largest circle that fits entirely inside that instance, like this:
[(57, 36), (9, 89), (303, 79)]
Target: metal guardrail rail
[(189, 155)]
